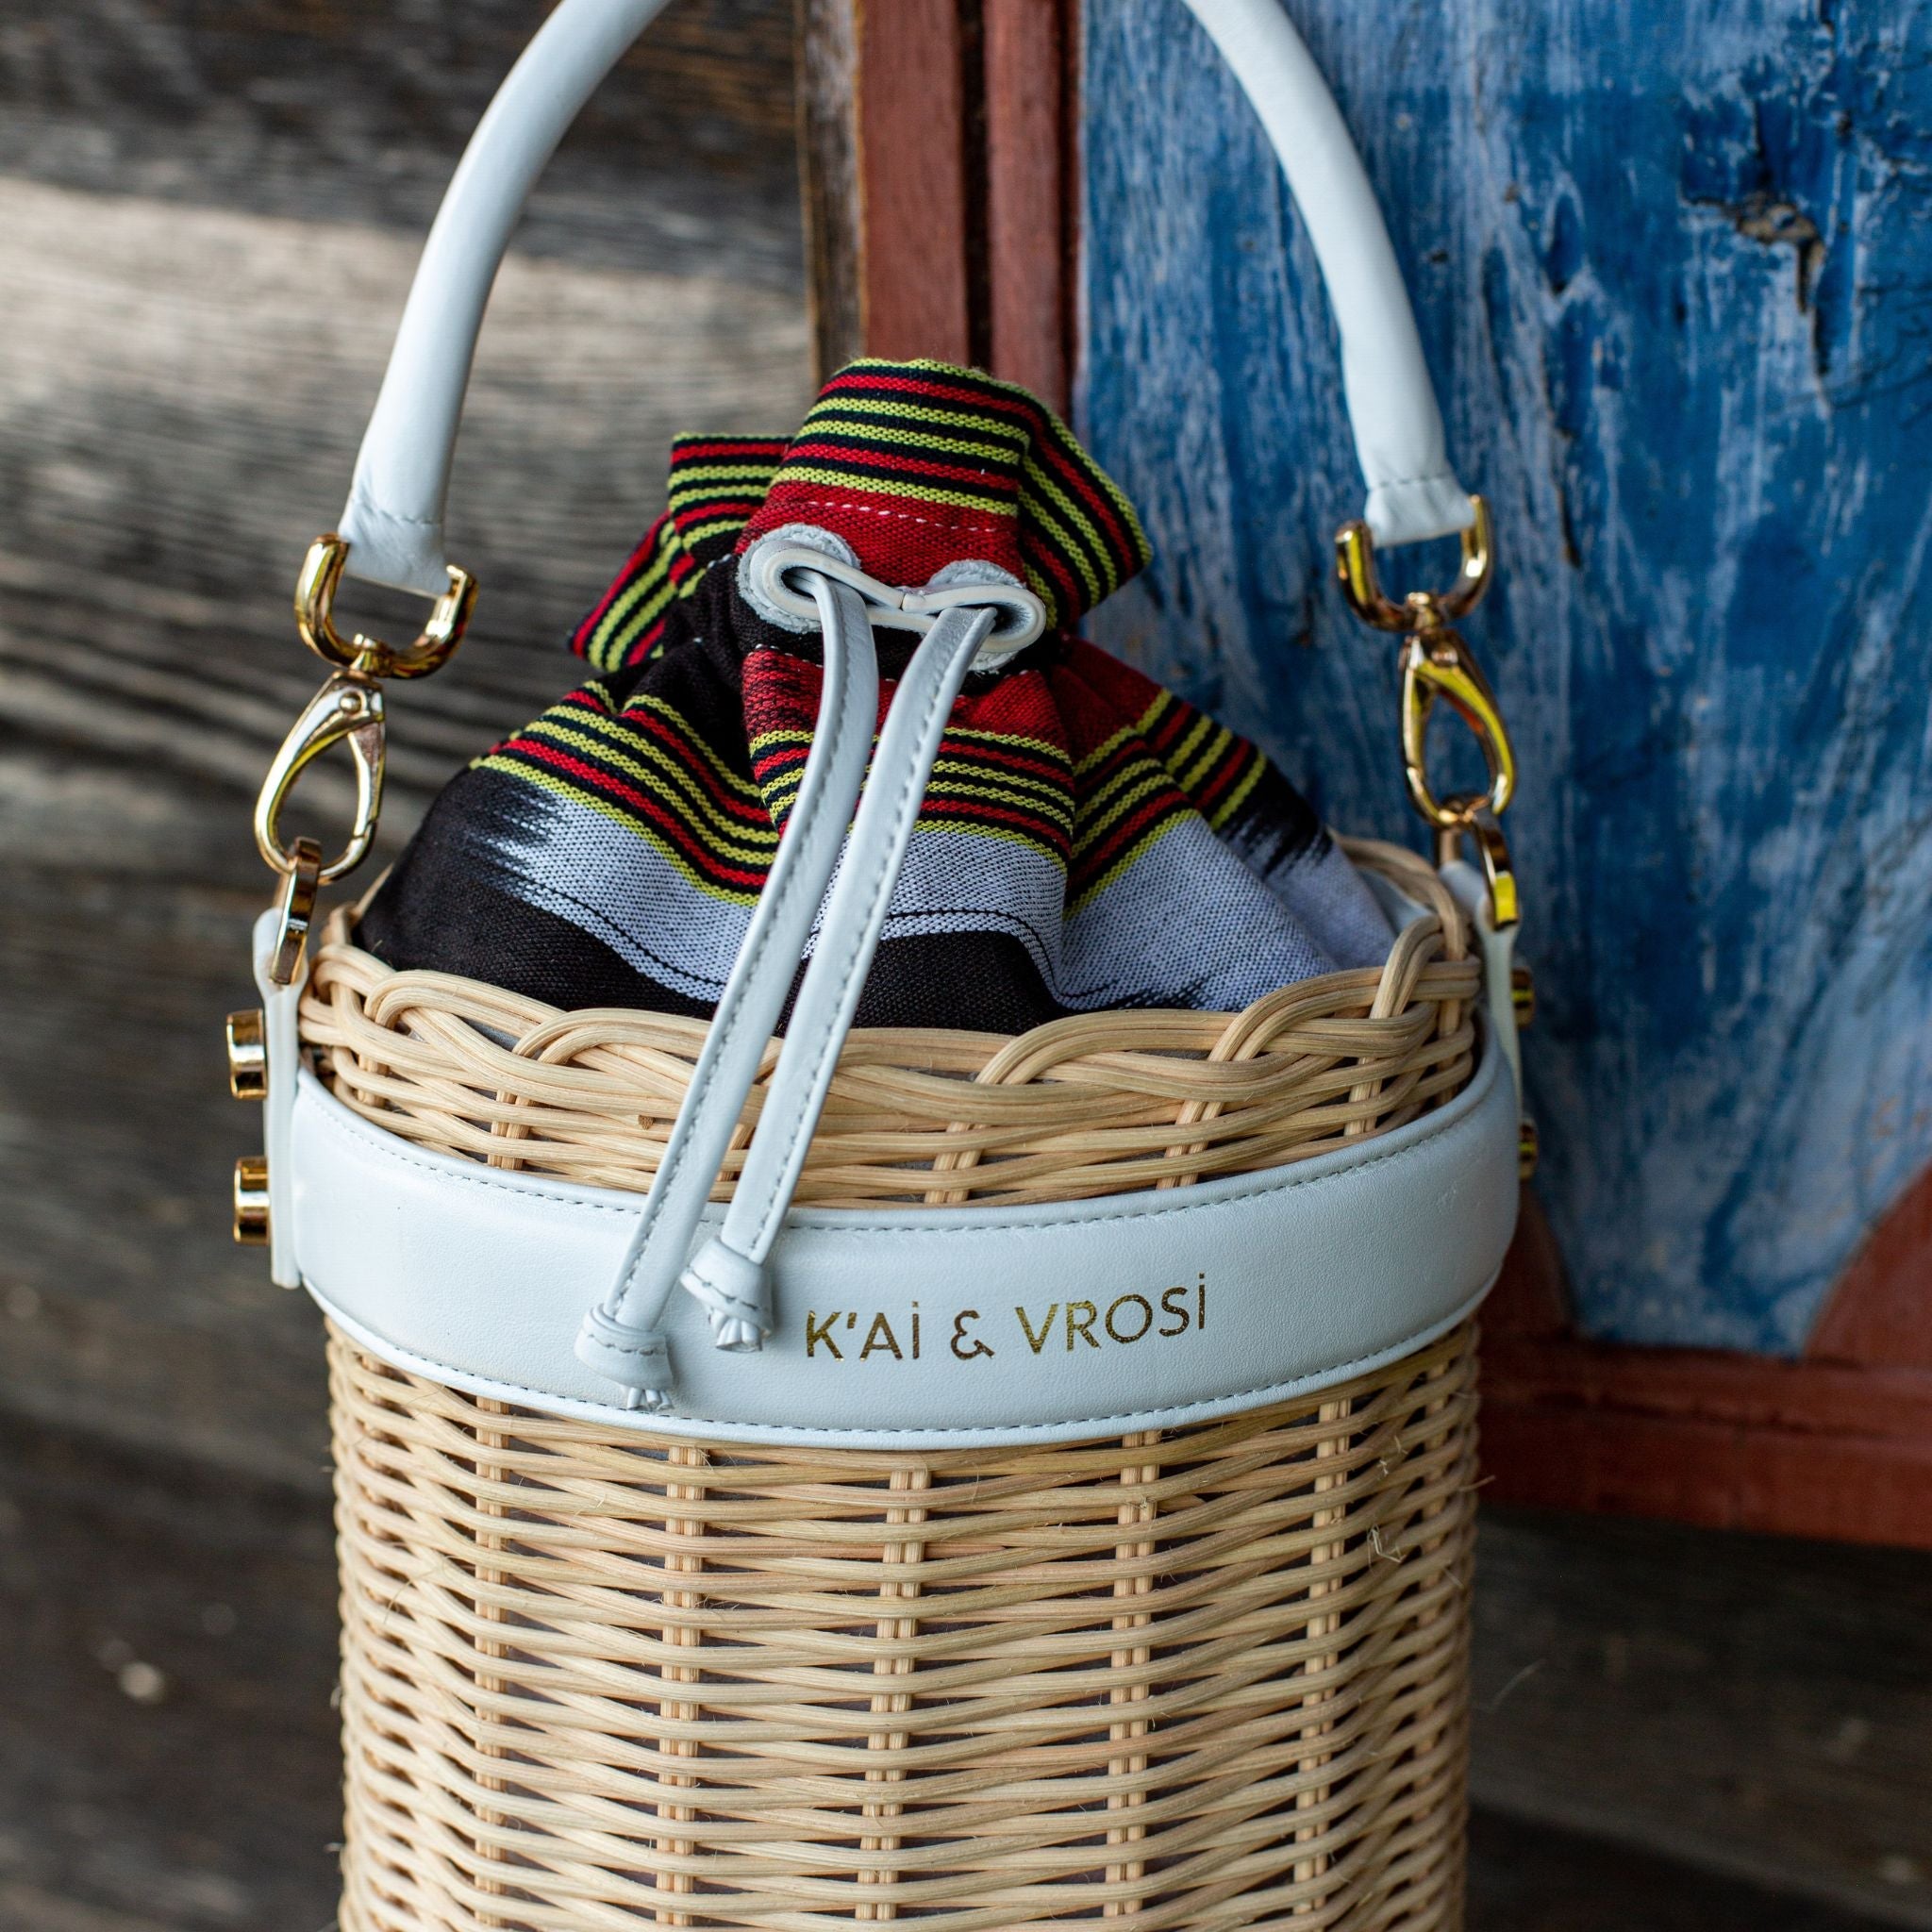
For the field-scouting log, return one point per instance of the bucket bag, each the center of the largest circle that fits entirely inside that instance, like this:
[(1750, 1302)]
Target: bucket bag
[(794, 1469)]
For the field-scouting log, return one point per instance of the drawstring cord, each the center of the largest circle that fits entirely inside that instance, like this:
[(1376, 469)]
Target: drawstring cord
[(964, 623)]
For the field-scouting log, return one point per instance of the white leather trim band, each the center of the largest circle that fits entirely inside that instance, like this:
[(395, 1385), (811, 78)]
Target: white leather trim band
[(1306, 1275), (394, 519)]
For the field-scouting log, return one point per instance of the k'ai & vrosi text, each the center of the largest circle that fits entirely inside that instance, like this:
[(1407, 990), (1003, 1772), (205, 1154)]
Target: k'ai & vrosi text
[(970, 1335)]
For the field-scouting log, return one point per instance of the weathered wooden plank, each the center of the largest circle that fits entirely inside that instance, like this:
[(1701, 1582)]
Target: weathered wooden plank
[(168, 1761), (1525, 1877), (1742, 1704), (921, 197), (829, 170), (1030, 195), (355, 110), (153, 509), (154, 502), (1667, 267)]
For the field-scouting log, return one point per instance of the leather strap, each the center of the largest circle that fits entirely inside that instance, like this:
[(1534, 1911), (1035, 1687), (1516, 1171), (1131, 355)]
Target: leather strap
[(394, 519), (730, 1273), (1391, 403), (620, 1336)]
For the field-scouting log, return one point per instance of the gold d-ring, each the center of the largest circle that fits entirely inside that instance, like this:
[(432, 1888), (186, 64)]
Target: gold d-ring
[(1355, 566), (315, 597)]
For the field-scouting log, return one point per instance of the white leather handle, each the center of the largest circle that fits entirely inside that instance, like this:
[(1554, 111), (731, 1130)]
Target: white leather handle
[(1392, 402), (394, 515)]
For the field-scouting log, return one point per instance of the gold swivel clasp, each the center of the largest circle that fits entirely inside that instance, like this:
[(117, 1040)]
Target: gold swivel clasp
[(349, 712), (1436, 663)]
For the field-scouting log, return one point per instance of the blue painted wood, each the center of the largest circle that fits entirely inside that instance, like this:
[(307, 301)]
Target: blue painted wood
[(1673, 268)]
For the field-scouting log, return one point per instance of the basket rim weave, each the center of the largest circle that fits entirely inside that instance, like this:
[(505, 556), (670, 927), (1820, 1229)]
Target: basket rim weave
[(1096, 1104)]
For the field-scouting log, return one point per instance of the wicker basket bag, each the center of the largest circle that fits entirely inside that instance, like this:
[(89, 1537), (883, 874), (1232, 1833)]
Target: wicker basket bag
[(892, 1473)]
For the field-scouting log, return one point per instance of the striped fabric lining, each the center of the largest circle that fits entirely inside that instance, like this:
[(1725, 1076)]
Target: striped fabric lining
[(985, 463), (717, 482), (1086, 838)]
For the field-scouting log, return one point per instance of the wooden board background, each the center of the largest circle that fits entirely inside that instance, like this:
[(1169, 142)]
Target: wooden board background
[(208, 215), (1668, 263)]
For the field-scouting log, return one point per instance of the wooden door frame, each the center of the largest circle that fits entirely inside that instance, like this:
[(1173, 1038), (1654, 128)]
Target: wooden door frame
[(941, 155), (939, 159)]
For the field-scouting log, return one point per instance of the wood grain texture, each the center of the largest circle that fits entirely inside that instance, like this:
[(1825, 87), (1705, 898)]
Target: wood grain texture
[(1667, 270), (919, 204), (356, 110), (828, 168), (1744, 1704), (156, 507), (1030, 50)]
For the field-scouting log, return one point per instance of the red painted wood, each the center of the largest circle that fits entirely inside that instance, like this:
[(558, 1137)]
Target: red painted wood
[(1528, 1298), (1722, 1475), (1881, 1311), (1736, 1390), (1029, 220), (1838, 1445), (915, 176)]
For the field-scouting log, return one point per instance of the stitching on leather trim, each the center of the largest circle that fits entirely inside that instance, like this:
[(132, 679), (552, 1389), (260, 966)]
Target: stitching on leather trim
[(1138, 1418), (359, 1129)]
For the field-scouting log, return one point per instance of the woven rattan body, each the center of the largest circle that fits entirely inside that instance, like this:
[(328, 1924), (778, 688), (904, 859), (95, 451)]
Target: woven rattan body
[(1204, 1679)]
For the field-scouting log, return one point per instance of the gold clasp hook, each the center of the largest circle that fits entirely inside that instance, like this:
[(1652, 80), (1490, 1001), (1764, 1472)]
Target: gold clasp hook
[(1436, 663), (347, 709), (315, 598)]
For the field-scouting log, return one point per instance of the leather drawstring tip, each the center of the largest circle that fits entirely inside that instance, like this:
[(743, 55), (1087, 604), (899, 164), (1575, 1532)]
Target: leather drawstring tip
[(736, 1292), (637, 1359)]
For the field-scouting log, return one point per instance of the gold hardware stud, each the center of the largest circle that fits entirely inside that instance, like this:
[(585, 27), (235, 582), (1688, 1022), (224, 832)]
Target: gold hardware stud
[(1528, 1149), (251, 1201), (1523, 996), (315, 598), (247, 1055)]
